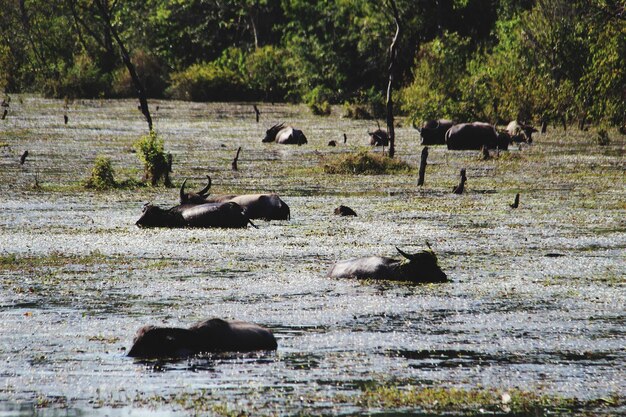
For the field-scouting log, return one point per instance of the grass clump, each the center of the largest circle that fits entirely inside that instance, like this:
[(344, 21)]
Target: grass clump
[(157, 165), (464, 401), (317, 100), (602, 137), (364, 163), (101, 174)]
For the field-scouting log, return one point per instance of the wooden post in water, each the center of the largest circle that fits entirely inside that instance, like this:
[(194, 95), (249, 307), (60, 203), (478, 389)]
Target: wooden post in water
[(257, 112), (233, 164), (423, 162), (461, 187)]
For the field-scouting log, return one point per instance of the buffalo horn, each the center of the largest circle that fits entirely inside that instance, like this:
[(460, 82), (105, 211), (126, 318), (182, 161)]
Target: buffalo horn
[(203, 191), (182, 192), (406, 255)]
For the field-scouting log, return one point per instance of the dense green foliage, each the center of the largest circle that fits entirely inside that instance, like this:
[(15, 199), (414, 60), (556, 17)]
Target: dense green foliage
[(493, 60)]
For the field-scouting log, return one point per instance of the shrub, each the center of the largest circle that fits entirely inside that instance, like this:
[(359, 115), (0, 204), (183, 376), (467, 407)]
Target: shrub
[(150, 150), (435, 91), (267, 73), (368, 104), (364, 163), (101, 174), (82, 79), (221, 80), (317, 100), (602, 137)]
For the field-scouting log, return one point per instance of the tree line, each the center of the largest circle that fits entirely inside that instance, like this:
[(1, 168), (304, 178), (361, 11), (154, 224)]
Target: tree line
[(493, 60)]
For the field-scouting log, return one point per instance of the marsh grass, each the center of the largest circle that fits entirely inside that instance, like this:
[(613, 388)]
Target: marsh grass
[(12, 261), (452, 401), (364, 162)]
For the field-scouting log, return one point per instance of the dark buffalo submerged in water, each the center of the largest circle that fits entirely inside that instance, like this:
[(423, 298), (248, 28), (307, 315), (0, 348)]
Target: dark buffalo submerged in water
[(227, 215), (420, 267), (213, 335)]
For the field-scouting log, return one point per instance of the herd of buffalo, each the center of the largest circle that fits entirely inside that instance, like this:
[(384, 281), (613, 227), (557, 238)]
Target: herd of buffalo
[(200, 209)]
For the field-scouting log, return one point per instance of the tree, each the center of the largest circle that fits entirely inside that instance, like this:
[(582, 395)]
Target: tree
[(393, 52)]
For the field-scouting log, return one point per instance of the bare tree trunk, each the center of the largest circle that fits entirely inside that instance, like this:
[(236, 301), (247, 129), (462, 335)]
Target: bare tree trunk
[(141, 92), (393, 52)]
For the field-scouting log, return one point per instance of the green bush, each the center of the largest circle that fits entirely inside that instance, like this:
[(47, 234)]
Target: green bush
[(435, 91), (368, 104), (82, 79), (221, 80), (364, 163), (101, 174), (317, 100), (267, 73), (150, 150)]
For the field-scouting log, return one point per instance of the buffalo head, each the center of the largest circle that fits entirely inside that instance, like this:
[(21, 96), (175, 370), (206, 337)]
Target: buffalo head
[(153, 216), (379, 137), (423, 264), (270, 134), (194, 198)]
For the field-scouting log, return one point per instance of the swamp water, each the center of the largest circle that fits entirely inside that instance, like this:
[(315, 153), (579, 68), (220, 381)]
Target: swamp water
[(535, 303)]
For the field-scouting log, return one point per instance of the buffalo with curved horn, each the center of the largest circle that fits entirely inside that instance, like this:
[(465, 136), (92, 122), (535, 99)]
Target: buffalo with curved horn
[(433, 132), (285, 135), (420, 267), (255, 206), (213, 335)]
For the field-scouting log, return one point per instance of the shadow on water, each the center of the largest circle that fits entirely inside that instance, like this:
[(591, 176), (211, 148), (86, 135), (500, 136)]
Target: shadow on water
[(207, 362)]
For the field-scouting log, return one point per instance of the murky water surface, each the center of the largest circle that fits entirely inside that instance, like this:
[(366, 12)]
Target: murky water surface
[(536, 300)]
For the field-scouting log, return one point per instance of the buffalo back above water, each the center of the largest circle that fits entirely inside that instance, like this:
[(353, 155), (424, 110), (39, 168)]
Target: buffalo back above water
[(421, 267), (473, 136), (258, 206), (226, 215), (433, 132), (255, 206), (213, 335), (285, 135)]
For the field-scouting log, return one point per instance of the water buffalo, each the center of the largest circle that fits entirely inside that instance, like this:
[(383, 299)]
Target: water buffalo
[(344, 211), (379, 137), (213, 335), (475, 135), (226, 215), (255, 206), (285, 135), (433, 132), (520, 132), (419, 268)]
